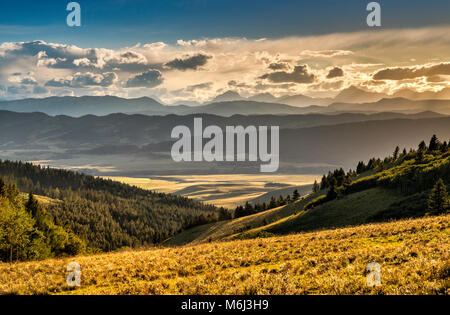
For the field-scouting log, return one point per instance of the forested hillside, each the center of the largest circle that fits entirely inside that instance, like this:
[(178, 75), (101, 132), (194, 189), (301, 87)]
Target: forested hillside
[(28, 233), (407, 184), (107, 214)]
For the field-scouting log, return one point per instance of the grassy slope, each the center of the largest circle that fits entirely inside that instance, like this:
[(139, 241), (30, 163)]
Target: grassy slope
[(225, 229), (353, 209), (413, 254), (350, 210)]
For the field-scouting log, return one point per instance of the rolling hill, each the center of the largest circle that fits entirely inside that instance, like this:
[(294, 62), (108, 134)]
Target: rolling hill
[(308, 143), (387, 190)]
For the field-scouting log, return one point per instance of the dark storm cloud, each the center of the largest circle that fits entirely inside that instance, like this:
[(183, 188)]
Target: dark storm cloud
[(28, 81), (300, 75), (189, 63), (412, 72), (149, 79), (335, 73), (81, 80)]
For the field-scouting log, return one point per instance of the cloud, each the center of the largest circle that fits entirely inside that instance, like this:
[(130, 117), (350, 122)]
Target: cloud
[(325, 53), (15, 90), (438, 78), (255, 65), (278, 66), (335, 73), (202, 86), (81, 80), (300, 75), (59, 56), (22, 79), (28, 81), (402, 73), (149, 79), (189, 63), (40, 90)]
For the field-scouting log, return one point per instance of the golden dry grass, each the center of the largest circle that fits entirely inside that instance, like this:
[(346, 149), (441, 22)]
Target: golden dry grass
[(226, 191), (414, 256)]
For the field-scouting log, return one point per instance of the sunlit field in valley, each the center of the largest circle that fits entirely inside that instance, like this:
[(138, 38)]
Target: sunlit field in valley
[(226, 191)]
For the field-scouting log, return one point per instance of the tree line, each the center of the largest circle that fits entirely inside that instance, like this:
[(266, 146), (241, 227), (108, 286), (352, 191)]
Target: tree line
[(420, 175), (249, 209)]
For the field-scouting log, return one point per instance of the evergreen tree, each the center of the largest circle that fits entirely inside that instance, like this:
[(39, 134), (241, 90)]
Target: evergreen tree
[(316, 187), (273, 203), (324, 183), (19, 240), (438, 202), (280, 201), (434, 143), (420, 155), (396, 152), (444, 147), (224, 214), (287, 200), (3, 188), (239, 212), (32, 206), (332, 192), (422, 146), (296, 194), (360, 168), (248, 210)]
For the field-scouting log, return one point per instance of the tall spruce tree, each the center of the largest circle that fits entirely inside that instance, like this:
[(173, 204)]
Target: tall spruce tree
[(438, 202), (296, 195), (434, 143)]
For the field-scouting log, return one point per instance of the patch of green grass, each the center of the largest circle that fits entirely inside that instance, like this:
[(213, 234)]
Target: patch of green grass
[(231, 228), (350, 210)]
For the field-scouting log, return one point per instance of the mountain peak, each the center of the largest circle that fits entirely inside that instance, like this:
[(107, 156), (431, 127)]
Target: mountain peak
[(264, 97), (355, 94), (228, 96)]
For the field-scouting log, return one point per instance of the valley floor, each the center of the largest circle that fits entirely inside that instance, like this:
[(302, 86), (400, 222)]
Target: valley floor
[(414, 256), (227, 191)]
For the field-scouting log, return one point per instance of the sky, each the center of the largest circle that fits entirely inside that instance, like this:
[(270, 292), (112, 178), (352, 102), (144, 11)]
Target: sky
[(178, 50)]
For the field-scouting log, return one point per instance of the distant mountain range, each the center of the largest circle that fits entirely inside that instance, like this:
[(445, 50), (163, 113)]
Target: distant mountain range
[(231, 103), (349, 95)]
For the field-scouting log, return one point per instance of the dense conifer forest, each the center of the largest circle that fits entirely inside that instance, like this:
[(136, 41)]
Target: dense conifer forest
[(106, 215)]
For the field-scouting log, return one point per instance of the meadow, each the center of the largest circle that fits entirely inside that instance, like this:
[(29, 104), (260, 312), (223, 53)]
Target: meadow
[(414, 256)]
